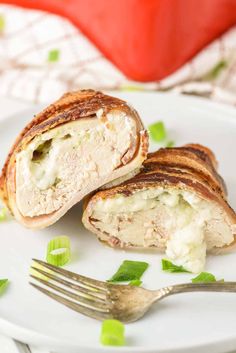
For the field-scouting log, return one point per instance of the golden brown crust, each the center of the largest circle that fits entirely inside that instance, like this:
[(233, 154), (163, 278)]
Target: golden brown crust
[(197, 147), (71, 106), (196, 159)]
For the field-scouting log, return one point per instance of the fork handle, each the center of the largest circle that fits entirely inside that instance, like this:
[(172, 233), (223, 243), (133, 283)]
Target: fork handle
[(196, 287)]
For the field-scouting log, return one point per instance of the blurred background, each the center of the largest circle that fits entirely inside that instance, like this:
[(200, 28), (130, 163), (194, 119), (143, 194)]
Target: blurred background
[(48, 47)]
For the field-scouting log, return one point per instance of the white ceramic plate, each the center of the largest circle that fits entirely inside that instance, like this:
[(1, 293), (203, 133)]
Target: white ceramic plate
[(184, 323)]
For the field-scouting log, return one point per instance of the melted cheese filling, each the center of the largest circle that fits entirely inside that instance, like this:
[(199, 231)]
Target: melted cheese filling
[(179, 222)]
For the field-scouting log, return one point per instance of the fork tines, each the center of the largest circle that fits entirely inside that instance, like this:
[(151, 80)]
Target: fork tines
[(89, 296)]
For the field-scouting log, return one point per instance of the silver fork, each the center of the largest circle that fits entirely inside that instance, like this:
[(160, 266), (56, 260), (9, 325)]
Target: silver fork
[(103, 300)]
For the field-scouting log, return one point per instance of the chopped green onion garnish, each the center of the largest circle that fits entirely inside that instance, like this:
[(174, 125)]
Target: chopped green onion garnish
[(216, 70), (157, 131), (3, 214), (112, 333), (35, 273), (135, 282), (3, 285), (131, 88), (54, 55), (170, 267), (129, 271), (170, 144), (2, 23), (58, 251), (204, 277)]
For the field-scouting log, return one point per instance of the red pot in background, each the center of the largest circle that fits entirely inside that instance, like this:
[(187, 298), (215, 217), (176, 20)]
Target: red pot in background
[(146, 39)]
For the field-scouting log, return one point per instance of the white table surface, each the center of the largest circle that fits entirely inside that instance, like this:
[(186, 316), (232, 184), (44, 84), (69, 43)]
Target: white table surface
[(7, 344)]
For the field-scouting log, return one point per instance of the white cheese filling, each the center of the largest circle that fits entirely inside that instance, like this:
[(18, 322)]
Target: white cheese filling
[(187, 247), (175, 220)]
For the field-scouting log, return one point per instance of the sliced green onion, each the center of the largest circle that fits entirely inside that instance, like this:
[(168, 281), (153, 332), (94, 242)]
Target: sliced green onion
[(204, 277), (3, 214), (58, 251), (3, 284), (170, 267), (2, 23), (129, 271), (216, 70), (131, 88), (135, 282), (112, 333), (35, 273), (170, 144), (157, 131), (54, 55)]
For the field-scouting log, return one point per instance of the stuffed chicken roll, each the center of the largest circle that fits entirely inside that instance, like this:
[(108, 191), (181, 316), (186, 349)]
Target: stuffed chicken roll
[(176, 204), (79, 143)]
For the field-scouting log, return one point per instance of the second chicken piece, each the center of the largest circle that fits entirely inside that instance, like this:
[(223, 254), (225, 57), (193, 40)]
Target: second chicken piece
[(177, 204)]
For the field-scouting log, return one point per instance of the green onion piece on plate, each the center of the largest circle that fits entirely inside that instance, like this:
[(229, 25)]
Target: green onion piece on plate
[(112, 333), (3, 284), (157, 131), (204, 277), (129, 271), (135, 282), (170, 267), (58, 251), (3, 214)]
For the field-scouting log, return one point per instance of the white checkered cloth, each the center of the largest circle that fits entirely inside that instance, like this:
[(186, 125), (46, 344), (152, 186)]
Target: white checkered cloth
[(25, 73)]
